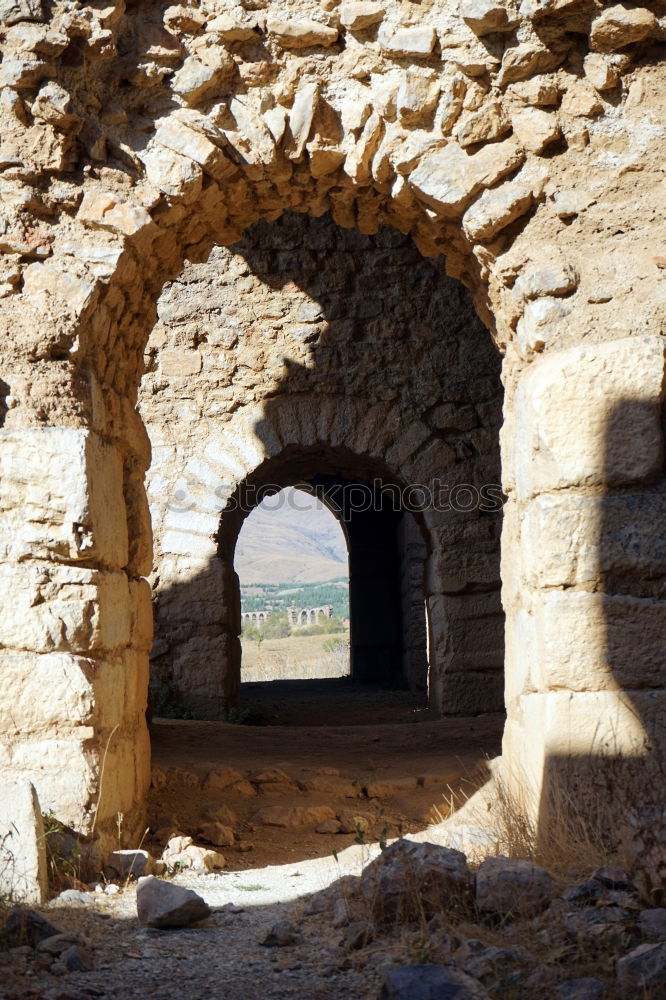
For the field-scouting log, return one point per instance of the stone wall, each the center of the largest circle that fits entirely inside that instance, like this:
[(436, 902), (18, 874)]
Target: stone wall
[(524, 143), (308, 339)]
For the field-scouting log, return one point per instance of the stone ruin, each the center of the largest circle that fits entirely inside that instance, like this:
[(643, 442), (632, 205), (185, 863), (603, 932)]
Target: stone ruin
[(224, 229)]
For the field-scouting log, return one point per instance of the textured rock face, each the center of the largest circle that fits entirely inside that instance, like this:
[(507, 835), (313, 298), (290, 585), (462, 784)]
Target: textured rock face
[(135, 135)]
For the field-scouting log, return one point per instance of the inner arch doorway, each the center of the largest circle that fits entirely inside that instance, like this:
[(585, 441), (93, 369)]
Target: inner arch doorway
[(386, 559)]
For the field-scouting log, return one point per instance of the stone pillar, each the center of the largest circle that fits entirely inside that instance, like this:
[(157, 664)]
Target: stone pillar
[(584, 568), (75, 629)]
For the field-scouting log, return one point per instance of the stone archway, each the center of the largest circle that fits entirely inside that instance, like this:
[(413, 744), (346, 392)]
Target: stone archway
[(305, 308), (516, 142)]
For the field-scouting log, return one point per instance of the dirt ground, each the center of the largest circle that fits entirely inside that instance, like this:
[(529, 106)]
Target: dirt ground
[(329, 756)]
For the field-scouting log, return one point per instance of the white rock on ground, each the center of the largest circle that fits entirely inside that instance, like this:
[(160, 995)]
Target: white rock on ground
[(162, 904)]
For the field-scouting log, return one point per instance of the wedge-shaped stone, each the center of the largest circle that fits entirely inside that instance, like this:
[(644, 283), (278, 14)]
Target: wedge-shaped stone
[(190, 141), (448, 179), (497, 209), (161, 904)]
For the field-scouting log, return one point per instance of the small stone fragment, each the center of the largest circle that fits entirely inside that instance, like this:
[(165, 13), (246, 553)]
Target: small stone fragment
[(431, 982), (580, 989), (76, 959), (653, 923), (643, 967), (281, 934), (512, 887), (162, 904), (357, 935)]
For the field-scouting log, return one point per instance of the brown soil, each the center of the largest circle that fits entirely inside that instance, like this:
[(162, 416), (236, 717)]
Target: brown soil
[(402, 763)]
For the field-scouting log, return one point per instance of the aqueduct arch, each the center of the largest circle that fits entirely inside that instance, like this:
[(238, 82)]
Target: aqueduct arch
[(520, 143)]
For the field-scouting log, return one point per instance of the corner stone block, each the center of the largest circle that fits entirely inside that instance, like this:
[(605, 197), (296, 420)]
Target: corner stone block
[(23, 873), (589, 642), (61, 496), (590, 416), (64, 608)]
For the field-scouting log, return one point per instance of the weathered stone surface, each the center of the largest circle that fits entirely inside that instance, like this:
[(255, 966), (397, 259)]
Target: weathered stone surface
[(13, 11), (360, 14), (487, 16), (644, 967), (447, 179), (497, 209), (511, 888), (416, 41), (131, 862), (535, 128), (408, 880), (580, 989), (619, 26), (596, 411), (23, 875), (300, 34), (162, 904)]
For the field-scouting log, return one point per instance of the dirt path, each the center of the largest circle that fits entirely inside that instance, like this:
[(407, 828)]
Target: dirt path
[(382, 773)]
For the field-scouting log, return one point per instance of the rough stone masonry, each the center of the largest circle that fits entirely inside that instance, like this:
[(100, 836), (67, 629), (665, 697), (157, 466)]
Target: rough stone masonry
[(524, 144)]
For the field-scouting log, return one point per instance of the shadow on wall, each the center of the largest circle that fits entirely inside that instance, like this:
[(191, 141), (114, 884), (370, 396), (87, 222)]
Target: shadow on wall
[(607, 638), (387, 365)]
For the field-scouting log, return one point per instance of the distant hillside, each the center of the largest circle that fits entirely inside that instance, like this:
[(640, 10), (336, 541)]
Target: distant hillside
[(281, 542)]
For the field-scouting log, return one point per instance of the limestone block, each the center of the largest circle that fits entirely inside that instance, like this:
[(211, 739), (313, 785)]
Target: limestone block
[(580, 540), (485, 125), (23, 872), (597, 642), (76, 293), (64, 608), (618, 26), (104, 209), (62, 769), (45, 689), (61, 496), (417, 98), (301, 117), (447, 179), (188, 544), (557, 278), (176, 175), (360, 14), (183, 137), (542, 322), (535, 128), (590, 415), (233, 27), (600, 71), (197, 80), (399, 41), (497, 209), (300, 34), (525, 60)]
